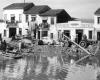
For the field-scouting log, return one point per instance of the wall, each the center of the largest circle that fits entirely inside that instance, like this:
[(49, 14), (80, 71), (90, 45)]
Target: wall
[(2, 28), (72, 26), (96, 25), (52, 28), (16, 12), (21, 24)]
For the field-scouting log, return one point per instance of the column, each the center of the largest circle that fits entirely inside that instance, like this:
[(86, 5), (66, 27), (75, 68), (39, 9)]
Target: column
[(7, 32), (36, 34), (40, 34), (17, 31)]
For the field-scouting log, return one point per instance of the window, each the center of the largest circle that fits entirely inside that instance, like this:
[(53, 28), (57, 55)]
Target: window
[(33, 18), (20, 17), (4, 33), (98, 20), (5, 17), (26, 18), (44, 33), (45, 24), (52, 20), (44, 21), (12, 18), (90, 34), (20, 31), (51, 35)]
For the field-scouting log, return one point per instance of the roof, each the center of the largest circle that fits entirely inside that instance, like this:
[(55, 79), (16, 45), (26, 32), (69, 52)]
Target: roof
[(18, 6), (52, 12), (38, 9), (97, 11)]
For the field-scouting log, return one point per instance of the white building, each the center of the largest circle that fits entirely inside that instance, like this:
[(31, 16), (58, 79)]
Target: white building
[(2, 29), (77, 27), (53, 17), (97, 24), (60, 22), (15, 18), (47, 24), (20, 17)]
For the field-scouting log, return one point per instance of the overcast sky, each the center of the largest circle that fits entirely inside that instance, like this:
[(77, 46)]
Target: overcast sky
[(75, 8)]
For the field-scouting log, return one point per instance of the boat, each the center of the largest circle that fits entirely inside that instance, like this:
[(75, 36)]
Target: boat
[(11, 55)]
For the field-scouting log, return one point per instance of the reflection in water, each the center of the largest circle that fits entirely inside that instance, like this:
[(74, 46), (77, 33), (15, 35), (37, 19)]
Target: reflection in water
[(45, 68)]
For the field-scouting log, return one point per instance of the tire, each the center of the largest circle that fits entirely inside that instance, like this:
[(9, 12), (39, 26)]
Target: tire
[(83, 44)]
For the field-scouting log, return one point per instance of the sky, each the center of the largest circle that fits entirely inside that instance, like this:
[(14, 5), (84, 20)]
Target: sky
[(76, 8)]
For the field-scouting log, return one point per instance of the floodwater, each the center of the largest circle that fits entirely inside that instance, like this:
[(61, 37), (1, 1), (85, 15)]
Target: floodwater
[(46, 68)]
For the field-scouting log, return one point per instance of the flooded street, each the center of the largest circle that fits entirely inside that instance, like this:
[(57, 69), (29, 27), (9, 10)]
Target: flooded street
[(32, 68)]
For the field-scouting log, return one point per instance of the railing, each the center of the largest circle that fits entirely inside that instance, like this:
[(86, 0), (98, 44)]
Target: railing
[(44, 26), (12, 23)]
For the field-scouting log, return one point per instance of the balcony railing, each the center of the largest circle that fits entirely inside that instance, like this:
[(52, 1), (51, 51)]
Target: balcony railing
[(12, 24), (44, 26)]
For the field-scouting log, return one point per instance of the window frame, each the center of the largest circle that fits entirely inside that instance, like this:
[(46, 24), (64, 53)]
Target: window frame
[(27, 18), (90, 35), (52, 20), (5, 32), (43, 33)]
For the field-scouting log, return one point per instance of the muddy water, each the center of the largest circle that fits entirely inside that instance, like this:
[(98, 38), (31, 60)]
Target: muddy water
[(32, 68)]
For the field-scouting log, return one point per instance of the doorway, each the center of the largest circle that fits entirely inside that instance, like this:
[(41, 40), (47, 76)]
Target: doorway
[(79, 33), (98, 36), (12, 32)]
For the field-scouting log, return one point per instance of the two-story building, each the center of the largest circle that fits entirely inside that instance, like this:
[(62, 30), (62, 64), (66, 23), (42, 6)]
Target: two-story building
[(15, 18), (53, 17)]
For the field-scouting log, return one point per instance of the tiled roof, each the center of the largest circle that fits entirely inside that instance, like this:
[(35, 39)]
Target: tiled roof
[(52, 12), (97, 11), (18, 5), (38, 9)]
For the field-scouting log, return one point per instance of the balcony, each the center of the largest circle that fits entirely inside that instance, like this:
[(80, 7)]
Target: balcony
[(44, 26), (12, 24)]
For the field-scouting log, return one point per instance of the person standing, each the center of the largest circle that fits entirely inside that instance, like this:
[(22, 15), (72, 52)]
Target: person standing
[(4, 45)]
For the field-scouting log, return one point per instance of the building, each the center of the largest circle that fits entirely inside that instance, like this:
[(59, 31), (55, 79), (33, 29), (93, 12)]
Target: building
[(2, 29), (15, 18), (77, 28), (97, 24), (34, 19), (45, 23), (52, 18)]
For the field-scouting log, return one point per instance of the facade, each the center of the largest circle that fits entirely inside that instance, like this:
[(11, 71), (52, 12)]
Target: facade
[(76, 28), (97, 24), (15, 19), (2, 29), (53, 17), (45, 23)]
